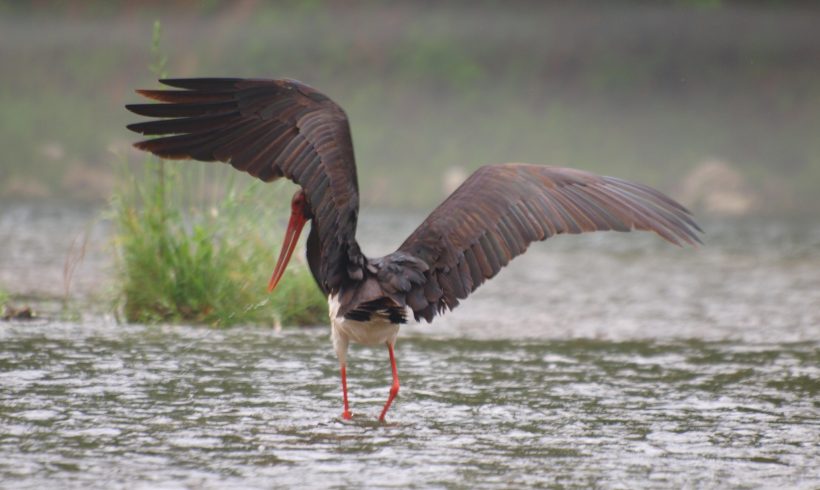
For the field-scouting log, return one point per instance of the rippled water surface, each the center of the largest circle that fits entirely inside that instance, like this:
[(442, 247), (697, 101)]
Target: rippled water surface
[(146, 406), (604, 361)]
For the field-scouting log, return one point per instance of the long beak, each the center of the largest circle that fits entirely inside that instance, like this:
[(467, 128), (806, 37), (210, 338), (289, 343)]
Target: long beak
[(297, 222)]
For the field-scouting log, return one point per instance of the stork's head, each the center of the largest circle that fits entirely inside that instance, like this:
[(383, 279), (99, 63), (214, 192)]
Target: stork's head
[(300, 213)]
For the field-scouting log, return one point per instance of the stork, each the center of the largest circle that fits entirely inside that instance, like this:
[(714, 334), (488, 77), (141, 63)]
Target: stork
[(284, 128)]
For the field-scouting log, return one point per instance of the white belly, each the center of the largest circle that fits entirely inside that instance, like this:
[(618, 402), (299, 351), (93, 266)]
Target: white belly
[(368, 333), (343, 331), (376, 331)]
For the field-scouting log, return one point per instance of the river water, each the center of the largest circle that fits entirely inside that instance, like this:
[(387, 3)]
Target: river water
[(608, 360)]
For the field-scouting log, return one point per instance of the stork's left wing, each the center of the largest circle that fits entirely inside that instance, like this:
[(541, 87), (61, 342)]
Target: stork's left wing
[(269, 129), (500, 209)]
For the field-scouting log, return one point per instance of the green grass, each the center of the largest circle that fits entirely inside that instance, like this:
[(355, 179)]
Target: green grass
[(180, 260)]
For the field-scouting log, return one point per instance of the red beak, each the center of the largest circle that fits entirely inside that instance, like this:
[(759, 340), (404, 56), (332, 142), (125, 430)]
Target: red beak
[(297, 222)]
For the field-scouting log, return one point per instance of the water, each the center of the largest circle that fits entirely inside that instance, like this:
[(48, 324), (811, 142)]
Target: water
[(162, 407), (602, 361)]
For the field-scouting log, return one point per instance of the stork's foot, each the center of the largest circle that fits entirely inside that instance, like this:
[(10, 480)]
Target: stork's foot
[(394, 390), (346, 415)]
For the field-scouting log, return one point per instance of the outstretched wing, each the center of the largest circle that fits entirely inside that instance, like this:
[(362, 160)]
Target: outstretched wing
[(269, 129), (500, 209)]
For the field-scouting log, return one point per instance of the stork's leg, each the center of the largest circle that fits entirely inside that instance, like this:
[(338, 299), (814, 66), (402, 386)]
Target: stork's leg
[(394, 390), (346, 414)]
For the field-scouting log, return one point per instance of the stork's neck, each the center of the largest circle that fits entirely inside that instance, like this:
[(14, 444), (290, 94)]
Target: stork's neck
[(314, 257), (334, 267)]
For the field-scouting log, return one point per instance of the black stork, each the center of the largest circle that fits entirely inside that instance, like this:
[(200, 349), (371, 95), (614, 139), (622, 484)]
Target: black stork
[(284, 128)]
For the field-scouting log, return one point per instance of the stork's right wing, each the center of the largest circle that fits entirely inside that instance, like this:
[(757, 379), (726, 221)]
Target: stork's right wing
[(500, 209)]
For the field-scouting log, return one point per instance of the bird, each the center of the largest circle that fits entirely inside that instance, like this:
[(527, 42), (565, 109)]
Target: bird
[(283, 128)]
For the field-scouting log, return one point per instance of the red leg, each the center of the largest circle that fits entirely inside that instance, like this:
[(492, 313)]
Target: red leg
[(346, 414), (394, 390)]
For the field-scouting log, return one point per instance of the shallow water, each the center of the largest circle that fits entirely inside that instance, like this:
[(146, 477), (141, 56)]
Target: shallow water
[(598, 361), (168, 407)]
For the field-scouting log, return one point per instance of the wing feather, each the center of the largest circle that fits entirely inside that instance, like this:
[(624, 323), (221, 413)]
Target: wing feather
[(269, 129), (501, 209)]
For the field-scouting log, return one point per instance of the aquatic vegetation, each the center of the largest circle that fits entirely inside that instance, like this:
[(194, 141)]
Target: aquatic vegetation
[(183, 256), (10, 312), (178, 261)]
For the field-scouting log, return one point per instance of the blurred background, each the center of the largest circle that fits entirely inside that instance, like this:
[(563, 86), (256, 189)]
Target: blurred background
[(717, 103)]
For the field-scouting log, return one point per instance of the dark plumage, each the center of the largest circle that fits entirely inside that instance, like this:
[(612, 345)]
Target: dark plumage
[(269, 129), (500, 209)]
